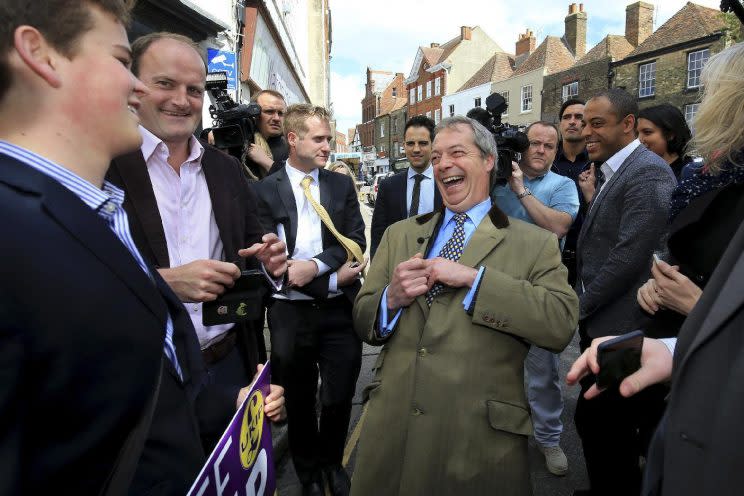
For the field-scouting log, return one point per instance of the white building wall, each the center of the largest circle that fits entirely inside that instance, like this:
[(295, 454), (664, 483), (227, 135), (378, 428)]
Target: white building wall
[(465, 100), (514, 85)]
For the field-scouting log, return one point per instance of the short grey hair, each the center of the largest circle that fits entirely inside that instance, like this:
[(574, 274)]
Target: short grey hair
[(481, 136)]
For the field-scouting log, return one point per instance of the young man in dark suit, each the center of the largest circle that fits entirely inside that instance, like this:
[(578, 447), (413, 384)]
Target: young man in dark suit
[(626, 221), (85, 322), (317, 213), (412, 193), (191, 213)]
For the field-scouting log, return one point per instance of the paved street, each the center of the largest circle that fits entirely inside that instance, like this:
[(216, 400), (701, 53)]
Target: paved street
[(544, 483)]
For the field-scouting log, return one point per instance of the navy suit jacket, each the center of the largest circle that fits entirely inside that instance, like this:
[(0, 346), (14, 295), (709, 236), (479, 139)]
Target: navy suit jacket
[(81, 333), (390, 206), (338, 196), (188, 411)]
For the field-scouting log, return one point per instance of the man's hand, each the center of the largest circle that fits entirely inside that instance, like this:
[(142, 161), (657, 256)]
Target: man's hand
[(200, 280), (516, 180), (450, 273), (410, 279), (648, 297), (347, 275), (587, 183), (271, 252), (273, 403), (259, 156), (656, 367), (675, 291), (301, 272)]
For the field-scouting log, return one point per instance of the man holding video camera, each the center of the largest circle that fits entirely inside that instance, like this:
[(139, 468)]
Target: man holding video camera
[(191, 214), (269, 149)]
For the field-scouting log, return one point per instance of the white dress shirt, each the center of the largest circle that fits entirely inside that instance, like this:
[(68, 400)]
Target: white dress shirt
[(426, 193), (188, 219), (614, 162)]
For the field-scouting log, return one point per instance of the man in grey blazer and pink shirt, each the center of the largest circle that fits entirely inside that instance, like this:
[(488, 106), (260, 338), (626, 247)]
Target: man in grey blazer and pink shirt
[(626, 222)]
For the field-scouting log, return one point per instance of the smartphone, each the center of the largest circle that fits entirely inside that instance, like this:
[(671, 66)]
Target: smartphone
[(618, 358), (238, 303)]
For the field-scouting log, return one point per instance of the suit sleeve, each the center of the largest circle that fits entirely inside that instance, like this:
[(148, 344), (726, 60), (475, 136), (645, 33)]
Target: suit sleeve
[(553, 305), (379, 218), (367, 303), (643, 225), (12, 426)]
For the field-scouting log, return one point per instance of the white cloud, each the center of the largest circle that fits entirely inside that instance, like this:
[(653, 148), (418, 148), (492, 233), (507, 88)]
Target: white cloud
[(385, 34)]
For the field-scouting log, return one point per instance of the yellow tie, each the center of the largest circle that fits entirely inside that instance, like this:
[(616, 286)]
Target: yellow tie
[(353, 251)]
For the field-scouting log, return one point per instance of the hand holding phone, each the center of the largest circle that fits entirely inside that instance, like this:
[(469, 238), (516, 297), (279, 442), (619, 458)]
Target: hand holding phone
[(618, 358)]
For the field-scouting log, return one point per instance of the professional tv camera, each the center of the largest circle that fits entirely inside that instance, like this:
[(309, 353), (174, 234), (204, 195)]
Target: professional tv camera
[(234, 124), (511, 142)]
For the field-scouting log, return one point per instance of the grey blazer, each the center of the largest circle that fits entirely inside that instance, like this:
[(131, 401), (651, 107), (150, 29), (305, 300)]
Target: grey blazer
[(626, 222)]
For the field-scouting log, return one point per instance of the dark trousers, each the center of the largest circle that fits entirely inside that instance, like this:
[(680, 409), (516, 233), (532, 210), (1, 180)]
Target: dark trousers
[(614, 432), (310, 338)]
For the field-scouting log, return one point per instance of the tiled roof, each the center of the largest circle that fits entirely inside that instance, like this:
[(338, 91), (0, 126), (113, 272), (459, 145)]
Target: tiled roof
[(497, 68), (614, 46), (689, 23), (432, 55), (393, 104), (551, 54)]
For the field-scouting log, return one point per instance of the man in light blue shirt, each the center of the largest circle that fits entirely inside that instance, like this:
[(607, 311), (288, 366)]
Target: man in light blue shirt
[(539, 196)]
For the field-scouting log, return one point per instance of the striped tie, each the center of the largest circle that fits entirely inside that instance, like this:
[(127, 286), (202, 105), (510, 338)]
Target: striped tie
[(452, 250)]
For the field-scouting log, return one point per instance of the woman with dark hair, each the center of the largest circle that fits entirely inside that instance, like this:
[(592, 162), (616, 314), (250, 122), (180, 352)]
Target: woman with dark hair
[(663, 129)]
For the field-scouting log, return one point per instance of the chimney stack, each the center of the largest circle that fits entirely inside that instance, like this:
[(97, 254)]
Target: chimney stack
[(466, 33), (526, 43), (575, 31), (434, 45), (639, 22)]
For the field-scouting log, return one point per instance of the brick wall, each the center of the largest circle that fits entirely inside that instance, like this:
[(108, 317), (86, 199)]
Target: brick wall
[(427, 104), (592, 78)]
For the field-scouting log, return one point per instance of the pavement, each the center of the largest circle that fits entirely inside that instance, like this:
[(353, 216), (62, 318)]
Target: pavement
[(543, 482)]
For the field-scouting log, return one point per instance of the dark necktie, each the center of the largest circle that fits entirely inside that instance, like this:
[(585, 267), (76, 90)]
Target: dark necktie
[(452, 250), (416, 196), (600, 178)]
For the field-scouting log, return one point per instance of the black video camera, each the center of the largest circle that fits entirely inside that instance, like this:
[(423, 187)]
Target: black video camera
[(234, 125), (510, 141)]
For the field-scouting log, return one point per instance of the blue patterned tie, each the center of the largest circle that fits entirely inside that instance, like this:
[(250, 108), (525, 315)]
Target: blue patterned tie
[(452, 250)]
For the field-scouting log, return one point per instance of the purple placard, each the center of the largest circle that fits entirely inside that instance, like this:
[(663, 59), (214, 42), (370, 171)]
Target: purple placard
[(241, 463)]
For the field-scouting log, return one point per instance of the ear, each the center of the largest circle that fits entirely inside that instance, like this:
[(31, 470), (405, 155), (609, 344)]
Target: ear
[(292, 138), (629, 123), (490, 160), (37, 54)]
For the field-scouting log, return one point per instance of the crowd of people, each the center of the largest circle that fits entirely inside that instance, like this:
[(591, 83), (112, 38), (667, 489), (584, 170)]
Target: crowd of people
[(475, 285)]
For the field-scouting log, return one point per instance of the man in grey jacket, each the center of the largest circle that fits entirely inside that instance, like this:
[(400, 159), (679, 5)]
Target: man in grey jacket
[(626, 222)]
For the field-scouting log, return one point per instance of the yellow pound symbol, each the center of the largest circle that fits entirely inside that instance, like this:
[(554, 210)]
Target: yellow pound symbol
[(250, 431)]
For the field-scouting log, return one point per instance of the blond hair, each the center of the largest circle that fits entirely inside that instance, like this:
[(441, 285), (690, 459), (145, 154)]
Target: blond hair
[(719, 123), (295, 120)]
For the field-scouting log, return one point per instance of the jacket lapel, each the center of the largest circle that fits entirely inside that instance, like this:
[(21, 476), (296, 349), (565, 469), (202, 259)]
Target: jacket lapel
[(133, 172), (401, 185), (221, 203), (284, 191)]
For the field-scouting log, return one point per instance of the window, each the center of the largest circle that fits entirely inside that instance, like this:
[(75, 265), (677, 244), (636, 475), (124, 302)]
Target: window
[(395, 91), (695, 63), (505, 94), (437, 116), (478, 102), (412, 95), (420, 92), (395, 126), (438, 86), (382, 130), (395, 149), (527, 98), (647, 80), (570, 90), (428, 89), (428, 114), (690, 112), (452, 110)]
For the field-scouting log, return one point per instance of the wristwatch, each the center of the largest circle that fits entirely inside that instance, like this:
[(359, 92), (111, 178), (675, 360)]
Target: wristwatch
[(524, 193)]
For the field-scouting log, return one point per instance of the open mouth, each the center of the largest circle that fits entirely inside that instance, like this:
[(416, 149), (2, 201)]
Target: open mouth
[(452, 181), (592, 146)]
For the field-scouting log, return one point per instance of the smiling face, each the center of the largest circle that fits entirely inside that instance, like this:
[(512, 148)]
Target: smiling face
[(174, 75), (272, 115), (461, 172), (604, 131), (652, 136), (571, 123), (311, 149), (102, 96)]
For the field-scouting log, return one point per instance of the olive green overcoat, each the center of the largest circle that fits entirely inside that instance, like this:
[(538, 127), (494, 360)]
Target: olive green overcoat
[(447, 412)]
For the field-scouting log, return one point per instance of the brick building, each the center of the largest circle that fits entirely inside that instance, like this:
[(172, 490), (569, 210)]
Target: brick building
[(439, 70), (381, 91), (666, 66), (398, 118)]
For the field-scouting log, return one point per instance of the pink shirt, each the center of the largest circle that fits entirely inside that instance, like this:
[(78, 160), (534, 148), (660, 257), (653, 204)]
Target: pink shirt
[(188, 220)]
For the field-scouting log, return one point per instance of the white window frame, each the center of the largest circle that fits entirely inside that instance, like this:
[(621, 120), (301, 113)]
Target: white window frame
[(428, 114), (420, 92), (690, 110), (477, 101), (695, 62), (438, 86), (437, 116), (570, 90), (382, 129), (428, 89), (647, 79), (505, 94), (412, 95), (526, 101)]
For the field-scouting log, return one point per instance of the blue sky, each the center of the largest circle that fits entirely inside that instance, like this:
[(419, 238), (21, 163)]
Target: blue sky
[(388, 37)]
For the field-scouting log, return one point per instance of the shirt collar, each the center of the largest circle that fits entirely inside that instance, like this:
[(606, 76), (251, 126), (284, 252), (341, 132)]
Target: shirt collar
[(428, 172), (615, 161), (296, 175), (150, 144), (475, 214)]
